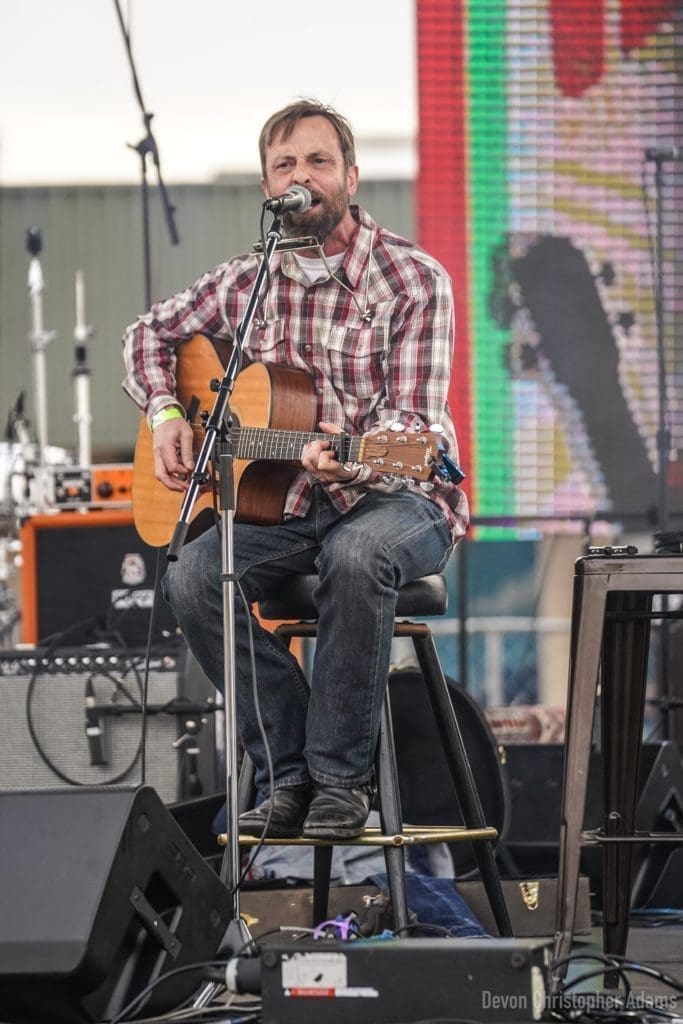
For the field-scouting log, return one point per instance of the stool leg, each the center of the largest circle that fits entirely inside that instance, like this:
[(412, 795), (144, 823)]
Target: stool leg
[(322, 870), (625, 654), (588, 614), (391, 818), (461, 773)]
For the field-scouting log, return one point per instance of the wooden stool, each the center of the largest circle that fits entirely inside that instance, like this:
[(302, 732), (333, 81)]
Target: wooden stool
[(424, 597)]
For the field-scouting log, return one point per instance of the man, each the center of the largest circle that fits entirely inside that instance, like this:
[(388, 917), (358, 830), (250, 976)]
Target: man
[(369, 316)]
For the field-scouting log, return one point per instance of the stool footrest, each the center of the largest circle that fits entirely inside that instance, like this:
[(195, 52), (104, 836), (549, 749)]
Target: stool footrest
[(597, 836), (372, 836)]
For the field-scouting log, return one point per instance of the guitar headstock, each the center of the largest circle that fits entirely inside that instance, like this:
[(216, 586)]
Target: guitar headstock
[(402, 453)]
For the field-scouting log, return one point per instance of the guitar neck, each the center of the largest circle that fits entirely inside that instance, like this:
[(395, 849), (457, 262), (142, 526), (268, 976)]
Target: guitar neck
[(287, 445)]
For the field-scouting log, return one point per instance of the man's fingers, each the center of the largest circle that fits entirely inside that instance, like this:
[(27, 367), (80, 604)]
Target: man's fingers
[(173, 458)]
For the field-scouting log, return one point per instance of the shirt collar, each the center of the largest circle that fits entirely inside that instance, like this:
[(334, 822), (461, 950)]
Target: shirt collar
[(357, 254)]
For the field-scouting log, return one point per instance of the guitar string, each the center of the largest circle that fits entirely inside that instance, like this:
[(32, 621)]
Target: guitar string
[(283, 442)]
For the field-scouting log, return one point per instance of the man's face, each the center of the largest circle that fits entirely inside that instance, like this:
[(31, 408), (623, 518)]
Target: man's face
[(311, 157)]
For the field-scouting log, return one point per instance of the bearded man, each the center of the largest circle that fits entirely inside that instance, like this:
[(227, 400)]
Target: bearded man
[(369, 316)]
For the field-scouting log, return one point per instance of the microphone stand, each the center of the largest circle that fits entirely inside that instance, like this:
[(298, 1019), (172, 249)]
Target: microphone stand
[(147, 146), (218, 428)]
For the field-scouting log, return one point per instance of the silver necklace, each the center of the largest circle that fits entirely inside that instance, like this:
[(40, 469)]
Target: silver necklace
[(366, 313)]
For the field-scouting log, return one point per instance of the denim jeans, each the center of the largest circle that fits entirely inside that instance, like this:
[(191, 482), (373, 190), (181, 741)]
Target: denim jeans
[(328, 731)]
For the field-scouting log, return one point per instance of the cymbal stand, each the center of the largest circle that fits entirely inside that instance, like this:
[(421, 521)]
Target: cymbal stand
[(81, 377), (218, 429), (39, 339)]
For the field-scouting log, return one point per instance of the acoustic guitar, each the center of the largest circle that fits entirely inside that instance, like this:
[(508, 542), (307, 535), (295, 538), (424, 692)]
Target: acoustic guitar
[(273, 411)]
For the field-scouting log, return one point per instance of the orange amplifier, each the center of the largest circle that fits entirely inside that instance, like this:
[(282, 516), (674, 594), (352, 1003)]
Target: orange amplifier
[(88, 565), (107, 486)]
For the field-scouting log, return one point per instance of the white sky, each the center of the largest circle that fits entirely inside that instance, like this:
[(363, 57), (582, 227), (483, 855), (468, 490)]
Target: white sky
[(211, 71)]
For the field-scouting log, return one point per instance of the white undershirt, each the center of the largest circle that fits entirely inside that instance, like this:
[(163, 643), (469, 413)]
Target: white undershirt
[(314, 267)]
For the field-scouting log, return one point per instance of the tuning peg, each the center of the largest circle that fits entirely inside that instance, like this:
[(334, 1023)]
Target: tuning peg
[(397, 427), (436, 428)]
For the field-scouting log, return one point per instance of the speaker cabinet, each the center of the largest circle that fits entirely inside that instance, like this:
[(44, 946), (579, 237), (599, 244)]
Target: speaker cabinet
[(535, 773), (101, 894), (72, 716), (84, 572)]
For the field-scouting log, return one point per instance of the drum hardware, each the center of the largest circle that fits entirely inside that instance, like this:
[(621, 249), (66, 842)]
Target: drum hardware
[(81, 376), (39, 339), (9, 610), (26, 487), (38, 478)]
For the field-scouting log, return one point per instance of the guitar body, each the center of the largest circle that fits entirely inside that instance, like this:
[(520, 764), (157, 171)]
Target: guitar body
[(265, 395)]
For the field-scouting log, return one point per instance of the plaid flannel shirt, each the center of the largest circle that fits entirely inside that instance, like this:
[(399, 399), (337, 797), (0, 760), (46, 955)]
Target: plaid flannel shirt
[(368, 372)]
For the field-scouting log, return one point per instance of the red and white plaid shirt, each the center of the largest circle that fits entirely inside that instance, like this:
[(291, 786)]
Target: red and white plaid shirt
[(392, 365)]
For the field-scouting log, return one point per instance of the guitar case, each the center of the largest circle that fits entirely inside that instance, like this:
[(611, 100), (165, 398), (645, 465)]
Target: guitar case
[(427, 794)]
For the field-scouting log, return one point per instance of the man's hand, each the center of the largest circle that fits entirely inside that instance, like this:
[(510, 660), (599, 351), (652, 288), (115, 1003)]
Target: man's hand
[(323, 463), (173, 458)]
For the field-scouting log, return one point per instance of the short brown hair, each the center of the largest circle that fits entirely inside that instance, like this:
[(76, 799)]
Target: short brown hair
[(284, 121)]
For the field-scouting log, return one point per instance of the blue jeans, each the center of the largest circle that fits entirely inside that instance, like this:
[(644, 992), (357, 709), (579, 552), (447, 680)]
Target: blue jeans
[(328, 731)]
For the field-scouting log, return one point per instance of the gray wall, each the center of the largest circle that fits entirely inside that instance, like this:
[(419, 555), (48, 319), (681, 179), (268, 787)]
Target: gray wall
[(99, 230)]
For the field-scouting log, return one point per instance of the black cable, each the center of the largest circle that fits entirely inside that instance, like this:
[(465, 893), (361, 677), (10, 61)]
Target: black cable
[(135, 1002), (145, 681), (262, 235), (632, 967), (40, 750), (437, 929), (252, 944), (264, 738), (611, 964)]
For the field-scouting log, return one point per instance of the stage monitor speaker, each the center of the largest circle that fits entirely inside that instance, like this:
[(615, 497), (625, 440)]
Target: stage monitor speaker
[(534, 772), (88, 572), (73, 716), (658, 879), (101, 894)]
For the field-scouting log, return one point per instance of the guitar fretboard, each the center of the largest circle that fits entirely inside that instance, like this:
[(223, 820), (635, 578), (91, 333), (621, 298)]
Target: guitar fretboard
[(287, 445)]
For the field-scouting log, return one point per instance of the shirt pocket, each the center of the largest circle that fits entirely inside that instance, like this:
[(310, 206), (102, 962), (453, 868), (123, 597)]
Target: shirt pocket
[(268, 342), (358, 353)]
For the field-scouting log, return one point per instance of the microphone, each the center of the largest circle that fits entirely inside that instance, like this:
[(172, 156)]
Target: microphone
[(665, 153), (296, 200), (93, 726)]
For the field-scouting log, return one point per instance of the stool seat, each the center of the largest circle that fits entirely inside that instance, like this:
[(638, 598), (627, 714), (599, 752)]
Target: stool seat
[(426, 596)]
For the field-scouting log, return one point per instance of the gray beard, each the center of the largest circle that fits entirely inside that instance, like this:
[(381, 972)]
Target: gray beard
[(321, 223)]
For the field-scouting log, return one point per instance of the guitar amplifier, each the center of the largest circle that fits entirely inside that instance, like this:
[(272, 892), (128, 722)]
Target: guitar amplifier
[(85, 571), (105, 485), (72, 716)]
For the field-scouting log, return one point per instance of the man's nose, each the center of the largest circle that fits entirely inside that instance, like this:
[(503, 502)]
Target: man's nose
[(300, 175)]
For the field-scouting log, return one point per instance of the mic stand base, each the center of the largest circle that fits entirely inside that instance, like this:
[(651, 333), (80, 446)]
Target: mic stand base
[(236, 938)]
